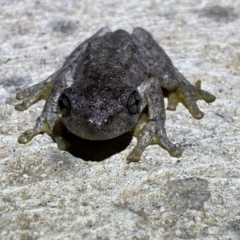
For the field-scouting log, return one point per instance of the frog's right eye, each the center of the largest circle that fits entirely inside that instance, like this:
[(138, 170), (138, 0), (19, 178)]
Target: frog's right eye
[(133, 102), (64, 105)]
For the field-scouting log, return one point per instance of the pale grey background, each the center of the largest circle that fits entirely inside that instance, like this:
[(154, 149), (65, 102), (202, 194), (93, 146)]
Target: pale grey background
[(49, 194)]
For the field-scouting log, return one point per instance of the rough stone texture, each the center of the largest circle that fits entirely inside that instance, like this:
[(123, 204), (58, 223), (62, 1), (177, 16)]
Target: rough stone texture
[(49, 194)]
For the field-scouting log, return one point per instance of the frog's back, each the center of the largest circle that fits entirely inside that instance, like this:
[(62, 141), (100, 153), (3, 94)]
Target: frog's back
[(111, 59)]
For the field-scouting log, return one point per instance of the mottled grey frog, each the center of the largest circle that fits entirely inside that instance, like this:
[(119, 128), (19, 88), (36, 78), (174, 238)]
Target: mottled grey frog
[(103, 87)]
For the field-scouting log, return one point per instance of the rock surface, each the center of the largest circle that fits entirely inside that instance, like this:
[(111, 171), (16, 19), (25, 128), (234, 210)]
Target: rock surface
[(49, 194)]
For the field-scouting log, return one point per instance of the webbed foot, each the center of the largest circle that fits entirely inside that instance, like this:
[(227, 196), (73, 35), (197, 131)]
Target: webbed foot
[(33, 94), (188, 95)]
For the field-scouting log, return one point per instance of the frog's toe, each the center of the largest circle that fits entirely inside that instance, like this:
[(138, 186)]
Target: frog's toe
[(27, 136), (32, 95), (194, 110), (190, 98), (32, 90), (204, 95), (22, 94), (41, 126), (172, 101), (134, 156), (176, 151), (24, 105)]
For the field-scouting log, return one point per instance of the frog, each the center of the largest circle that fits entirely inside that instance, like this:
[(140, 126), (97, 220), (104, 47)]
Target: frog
[(112, 83)]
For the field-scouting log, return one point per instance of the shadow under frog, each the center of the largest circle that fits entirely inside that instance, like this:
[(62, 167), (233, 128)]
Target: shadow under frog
[(102, 90), (92, 150)]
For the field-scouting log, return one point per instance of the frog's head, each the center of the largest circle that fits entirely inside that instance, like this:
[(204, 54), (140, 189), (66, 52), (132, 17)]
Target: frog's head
[(100, 113)]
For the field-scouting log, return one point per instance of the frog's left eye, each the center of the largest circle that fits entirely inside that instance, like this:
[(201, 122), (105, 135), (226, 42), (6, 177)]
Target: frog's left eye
[(133, 102), (64, 105)]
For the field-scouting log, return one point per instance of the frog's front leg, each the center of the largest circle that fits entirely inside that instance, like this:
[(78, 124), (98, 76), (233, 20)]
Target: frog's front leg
[(154, 132), (48, 120), (160, 66), (35, 93)]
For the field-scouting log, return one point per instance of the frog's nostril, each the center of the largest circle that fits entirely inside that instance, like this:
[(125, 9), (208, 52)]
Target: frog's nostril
[(64, 105)]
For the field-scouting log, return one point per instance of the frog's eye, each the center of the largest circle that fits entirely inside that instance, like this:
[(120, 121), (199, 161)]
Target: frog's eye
[(64, 105), (133, 102)]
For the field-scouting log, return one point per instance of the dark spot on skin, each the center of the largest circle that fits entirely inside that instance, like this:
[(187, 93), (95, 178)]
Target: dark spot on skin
[(64, 27), (108, 120), (190, 193), (87, 58), (133, 50), (219, 14), (124, 66)]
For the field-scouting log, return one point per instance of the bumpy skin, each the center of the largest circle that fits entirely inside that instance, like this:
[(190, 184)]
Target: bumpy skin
[(104, 86)]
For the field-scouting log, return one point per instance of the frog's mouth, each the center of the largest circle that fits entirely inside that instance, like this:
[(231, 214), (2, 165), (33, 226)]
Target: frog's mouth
[(102, 114)]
